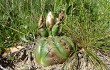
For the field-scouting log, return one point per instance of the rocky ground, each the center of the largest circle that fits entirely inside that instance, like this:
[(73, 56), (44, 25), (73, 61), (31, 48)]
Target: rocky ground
[(24, 60)]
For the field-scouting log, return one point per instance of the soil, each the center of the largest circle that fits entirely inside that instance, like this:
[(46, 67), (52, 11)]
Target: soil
[(24, 60)]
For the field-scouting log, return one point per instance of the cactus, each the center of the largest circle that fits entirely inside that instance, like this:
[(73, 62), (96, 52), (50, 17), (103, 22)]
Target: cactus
[(52, 49)]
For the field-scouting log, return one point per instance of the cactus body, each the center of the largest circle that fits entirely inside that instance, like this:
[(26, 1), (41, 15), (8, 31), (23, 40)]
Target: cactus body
[(53, 50)]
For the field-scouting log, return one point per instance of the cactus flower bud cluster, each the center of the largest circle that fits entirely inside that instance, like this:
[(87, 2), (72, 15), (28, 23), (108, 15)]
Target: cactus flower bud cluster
[(51, 26), (55, 49)]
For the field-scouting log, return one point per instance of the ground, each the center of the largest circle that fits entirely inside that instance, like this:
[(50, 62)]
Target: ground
[(24, 60)]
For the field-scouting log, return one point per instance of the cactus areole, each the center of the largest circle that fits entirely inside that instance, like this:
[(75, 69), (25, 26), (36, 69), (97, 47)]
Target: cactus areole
[(52, 49)]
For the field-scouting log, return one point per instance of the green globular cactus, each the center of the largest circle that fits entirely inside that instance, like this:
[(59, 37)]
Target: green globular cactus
[(53, 50)]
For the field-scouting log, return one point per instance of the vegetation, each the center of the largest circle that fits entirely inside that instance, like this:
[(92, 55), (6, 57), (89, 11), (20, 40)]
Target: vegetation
[(86, 22), (88, 25)]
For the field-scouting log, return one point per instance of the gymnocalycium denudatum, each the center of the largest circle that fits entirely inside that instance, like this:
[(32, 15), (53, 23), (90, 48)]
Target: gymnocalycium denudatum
[(51, 48)]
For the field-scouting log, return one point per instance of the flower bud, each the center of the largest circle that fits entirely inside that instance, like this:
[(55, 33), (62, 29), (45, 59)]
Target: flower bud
[(50, 21), (60, 18)]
